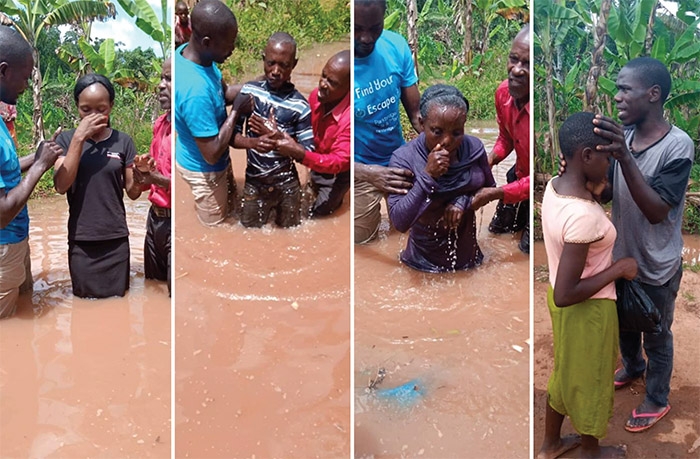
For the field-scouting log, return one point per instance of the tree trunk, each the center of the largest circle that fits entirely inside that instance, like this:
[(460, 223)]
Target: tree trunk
[(37, 116), (413, 31), (551, 119), (485, 41), (468, 24), (649, 40), (599, 32)]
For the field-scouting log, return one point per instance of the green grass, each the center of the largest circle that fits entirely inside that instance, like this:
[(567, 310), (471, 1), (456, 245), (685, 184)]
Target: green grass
[(695, 268), (308, 21)]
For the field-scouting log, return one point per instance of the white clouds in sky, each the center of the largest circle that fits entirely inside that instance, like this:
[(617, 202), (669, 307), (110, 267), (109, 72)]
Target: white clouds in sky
[(123, 29)]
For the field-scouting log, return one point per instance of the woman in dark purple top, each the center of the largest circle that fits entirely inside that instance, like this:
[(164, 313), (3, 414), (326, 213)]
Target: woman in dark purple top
[(449, 167)]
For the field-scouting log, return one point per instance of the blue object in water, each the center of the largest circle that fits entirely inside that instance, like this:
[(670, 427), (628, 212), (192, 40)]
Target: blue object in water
[(406, 394)]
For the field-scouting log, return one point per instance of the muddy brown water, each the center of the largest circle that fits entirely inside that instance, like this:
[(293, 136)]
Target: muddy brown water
[(85, 378), (263, 327), (462, 338)]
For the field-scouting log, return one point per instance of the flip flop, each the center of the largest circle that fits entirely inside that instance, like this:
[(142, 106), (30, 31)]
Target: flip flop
[(619, 384), (653, 419)]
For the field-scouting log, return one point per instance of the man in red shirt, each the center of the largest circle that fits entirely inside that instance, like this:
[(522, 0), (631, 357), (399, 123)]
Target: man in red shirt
[(330, 120), (153, 171), (513, 115)]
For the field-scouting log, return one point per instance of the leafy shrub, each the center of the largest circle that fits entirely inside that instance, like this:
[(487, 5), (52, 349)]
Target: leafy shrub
[(306, 20)]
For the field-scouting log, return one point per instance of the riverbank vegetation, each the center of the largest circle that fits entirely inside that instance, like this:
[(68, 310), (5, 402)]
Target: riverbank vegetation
[(464, 43), (308, 21), (62, 58)]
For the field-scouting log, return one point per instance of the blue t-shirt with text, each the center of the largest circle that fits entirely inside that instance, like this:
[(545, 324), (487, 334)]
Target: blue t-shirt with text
[(379, 79)]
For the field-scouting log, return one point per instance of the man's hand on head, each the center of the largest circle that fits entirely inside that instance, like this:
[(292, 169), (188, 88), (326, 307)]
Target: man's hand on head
[(608, 129)]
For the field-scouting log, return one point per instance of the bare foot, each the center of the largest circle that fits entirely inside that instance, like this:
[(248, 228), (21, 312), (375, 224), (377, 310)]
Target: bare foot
[(565, 444), (606, 452)]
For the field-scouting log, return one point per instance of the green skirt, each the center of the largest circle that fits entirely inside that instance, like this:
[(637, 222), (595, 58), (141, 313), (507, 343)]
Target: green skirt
[(586, 338)]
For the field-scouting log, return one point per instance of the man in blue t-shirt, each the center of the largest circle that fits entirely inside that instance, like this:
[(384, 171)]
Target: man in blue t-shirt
[(384, 76), (204, 130), (16, 64)]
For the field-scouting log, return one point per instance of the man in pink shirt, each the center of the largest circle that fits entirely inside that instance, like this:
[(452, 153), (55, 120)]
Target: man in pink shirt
[(330, 120), (154, 171), (513, 115)]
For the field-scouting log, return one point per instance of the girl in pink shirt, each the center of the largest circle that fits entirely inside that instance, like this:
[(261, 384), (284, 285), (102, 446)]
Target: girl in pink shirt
[(579, 240)]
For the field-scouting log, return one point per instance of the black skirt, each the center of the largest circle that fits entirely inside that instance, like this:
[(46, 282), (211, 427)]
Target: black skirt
[(99, 269)]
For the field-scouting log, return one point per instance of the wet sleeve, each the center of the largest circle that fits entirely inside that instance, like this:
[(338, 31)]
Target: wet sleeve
[(482, 164), (672, 180), (462, 202), (406, 209)]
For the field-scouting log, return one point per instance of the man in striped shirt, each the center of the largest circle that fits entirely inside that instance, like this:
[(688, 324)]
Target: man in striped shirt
[(272, 181)]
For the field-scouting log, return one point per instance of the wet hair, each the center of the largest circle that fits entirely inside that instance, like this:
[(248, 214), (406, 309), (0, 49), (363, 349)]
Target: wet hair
[(650, 72), (89, 80), (14, 49), (211, 18), (368, 3), (282, 38), (577, 133), (444, 96)]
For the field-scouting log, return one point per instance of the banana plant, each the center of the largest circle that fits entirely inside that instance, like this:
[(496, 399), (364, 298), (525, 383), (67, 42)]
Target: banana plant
[(148, 22), (554, 24), (32, 17)]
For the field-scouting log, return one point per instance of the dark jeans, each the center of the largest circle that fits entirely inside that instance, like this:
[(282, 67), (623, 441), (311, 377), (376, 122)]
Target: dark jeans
[(510, 218), (657, 346), (329, 190), (259, 199), (156, 251)]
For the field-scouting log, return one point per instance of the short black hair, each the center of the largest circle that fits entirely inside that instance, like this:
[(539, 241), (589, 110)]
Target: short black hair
[(282, 38), (651, 72), (211, 18), (14, 49), (90, 79), (443, 95), (367, 3), (381, 3), (577, 133)]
